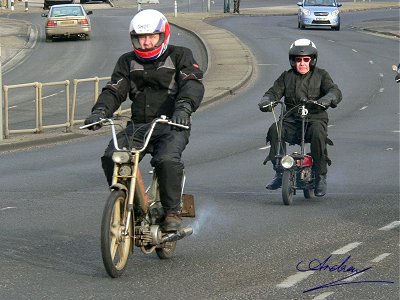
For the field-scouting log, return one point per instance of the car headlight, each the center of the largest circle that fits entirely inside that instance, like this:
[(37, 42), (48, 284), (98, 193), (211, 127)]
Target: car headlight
[(306, 12), (287, 162), (121, 157), (335, 12)]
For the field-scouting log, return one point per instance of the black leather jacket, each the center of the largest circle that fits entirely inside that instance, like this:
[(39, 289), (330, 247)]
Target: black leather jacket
[(154, 87), (314, 85)]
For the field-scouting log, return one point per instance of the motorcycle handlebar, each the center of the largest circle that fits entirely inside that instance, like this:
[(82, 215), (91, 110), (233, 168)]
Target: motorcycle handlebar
[(163, 119)]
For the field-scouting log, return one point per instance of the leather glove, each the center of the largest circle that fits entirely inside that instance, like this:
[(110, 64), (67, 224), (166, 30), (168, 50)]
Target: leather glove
[(95, 116), (183, 111), (329, 100), (397, 78), (266, 104)]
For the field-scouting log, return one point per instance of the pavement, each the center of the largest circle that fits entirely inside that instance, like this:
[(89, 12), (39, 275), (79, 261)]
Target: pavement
[(235, 61)]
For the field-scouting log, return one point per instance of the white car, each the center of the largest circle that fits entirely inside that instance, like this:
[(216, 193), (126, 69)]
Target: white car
[(322, 13)]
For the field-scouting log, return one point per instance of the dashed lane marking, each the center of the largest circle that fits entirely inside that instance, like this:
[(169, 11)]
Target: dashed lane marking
[(390, 226), (380, 257), (347, 248), (323, 296), (294, 279), (8, 207)]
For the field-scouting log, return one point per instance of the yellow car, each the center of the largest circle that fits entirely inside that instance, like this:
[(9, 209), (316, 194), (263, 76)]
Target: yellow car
[(67, 20)]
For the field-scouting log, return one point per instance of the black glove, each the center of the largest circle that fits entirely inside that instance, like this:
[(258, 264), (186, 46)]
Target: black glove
[(181, 116), (329, 100), (266, 104), (95, 116), (397, 78)]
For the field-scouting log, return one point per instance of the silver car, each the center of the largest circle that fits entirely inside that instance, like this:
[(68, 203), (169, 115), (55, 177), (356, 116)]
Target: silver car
[(323, 13), (67, 20)]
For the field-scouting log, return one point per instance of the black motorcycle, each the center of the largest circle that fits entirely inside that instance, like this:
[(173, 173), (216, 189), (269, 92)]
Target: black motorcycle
[(296, 168)]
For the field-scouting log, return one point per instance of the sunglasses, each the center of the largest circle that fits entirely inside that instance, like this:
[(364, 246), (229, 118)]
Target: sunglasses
[(305, 59)]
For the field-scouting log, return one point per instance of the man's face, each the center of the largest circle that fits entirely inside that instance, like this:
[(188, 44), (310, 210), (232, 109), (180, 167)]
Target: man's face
[(303, 64), (148, 41)]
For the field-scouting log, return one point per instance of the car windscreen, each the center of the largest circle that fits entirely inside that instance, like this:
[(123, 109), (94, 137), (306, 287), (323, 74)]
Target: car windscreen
[(66, 11), (319, 3)]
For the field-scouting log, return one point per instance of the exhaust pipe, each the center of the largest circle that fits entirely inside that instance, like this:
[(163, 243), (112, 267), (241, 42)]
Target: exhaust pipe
[(180, 234)]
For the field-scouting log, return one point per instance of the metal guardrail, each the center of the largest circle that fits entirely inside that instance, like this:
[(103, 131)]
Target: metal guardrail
[(70, 114)]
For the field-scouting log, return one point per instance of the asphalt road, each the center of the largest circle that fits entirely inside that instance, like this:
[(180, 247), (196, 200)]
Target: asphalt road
[(246, 243)]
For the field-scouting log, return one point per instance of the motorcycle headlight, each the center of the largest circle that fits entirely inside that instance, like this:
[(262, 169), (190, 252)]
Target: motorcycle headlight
[(335, 12), (287, 162), (121, 157)]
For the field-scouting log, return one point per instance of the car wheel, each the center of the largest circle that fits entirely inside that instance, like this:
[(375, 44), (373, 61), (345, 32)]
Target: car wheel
[(337, 28), (49, 39), (302, 27), (87, 37)]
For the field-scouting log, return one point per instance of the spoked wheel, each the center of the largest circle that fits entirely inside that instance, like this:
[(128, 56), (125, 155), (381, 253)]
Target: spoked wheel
[(167, 250), (287, 187), (115, 246)]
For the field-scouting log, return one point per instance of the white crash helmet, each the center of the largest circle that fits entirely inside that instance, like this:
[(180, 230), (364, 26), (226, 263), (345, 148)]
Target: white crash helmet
[(303, 47), (149, 21)]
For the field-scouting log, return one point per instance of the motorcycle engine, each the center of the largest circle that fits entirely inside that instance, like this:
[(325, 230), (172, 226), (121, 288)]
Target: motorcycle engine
[(306, 174), (156, 212)]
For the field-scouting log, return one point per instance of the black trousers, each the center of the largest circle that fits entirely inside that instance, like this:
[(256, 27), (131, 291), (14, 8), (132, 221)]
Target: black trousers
[(166, 147), (316, 133), (236, 4)]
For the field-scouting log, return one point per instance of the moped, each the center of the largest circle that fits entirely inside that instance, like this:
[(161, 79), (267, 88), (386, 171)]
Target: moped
[(296, 168), (132, 214)]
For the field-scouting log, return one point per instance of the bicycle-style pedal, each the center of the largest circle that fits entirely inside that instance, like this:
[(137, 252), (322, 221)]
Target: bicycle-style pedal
[(188, 209)]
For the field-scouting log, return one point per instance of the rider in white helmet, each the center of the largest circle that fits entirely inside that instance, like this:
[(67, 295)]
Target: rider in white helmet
[(303, 80), (159, 79)]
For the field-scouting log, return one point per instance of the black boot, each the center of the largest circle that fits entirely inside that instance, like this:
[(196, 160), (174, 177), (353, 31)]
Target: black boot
[(320, 185), (276, 182)]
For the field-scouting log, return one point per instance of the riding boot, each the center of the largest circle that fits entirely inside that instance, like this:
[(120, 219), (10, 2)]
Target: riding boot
[(320, 185), (276, 182)]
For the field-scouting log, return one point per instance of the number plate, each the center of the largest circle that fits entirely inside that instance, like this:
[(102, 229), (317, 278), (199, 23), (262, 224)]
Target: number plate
[(67, 23), (320, 19)]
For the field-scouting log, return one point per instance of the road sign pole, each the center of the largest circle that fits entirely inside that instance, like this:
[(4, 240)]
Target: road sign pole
[(1, 102)]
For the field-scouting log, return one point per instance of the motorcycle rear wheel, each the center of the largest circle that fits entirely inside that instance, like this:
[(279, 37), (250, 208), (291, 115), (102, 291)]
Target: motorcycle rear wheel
[(115, 247), (167, 250), (287, 187), (308, 193)]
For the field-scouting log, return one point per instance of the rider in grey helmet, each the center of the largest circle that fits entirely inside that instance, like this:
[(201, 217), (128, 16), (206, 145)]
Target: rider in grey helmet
[(303, 80)]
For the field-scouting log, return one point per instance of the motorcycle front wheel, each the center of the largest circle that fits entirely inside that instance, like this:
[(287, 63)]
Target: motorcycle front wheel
[(115, 246), (287, 187)]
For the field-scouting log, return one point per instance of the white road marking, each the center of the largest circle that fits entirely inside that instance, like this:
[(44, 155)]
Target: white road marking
[(371, 62), (390, 226), (8, 207), (323, 296), (396, 131), (347, 248), (294, 279), (263, 148), (381, 90), (380, 257), (364, 107), (354, 50), (331, 125)]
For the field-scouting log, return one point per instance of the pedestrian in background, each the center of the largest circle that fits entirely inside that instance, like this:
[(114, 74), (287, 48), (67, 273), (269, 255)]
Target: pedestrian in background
[(236, 4)]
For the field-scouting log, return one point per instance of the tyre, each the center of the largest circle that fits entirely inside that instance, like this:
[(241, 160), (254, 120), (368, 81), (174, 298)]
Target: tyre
[(287, 187), (337, 28), (167, 250), (115, 247), (308, 193), (49, 39)]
